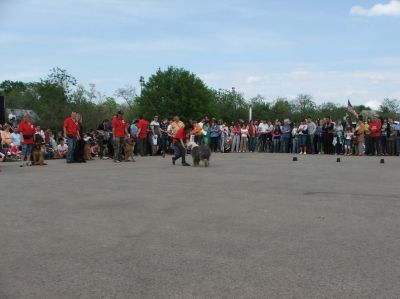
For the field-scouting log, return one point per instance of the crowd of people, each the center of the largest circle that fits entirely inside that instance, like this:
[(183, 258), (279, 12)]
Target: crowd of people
[(373, 136)]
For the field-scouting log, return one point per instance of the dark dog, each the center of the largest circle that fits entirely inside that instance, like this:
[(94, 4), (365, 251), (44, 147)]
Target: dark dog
[(128, 149), (37, 155), (79, 151), (199, 153)]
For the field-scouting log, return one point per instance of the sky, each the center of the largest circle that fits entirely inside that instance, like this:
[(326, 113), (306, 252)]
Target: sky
[(332, 50)]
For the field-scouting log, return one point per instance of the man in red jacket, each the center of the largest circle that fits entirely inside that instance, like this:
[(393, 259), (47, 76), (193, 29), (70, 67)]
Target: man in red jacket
[(375, 135), (119, 131), (142, 136), (71, 132)]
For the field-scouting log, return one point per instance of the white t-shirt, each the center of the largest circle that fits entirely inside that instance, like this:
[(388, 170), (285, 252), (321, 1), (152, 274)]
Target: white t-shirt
[(301, 129), (62, 148), (244, 132), (263, 128)]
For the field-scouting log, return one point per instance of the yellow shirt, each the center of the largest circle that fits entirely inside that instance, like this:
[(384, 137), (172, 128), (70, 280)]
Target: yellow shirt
[(366, 128)]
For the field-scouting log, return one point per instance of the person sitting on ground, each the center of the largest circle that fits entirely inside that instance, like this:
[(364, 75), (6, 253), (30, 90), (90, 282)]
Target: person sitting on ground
[(62, 149), (6, 135), (16, 138)]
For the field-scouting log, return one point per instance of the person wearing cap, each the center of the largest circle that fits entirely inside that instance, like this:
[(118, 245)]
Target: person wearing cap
[(119, 131)]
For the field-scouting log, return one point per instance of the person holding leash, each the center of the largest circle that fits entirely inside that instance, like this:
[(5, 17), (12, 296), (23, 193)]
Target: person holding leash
[(179, 144)]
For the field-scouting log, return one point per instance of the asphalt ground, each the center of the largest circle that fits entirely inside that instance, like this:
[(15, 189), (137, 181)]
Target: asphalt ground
[(249, 226)]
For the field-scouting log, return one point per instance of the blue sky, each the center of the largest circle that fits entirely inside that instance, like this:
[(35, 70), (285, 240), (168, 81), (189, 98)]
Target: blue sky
[(333, 50)]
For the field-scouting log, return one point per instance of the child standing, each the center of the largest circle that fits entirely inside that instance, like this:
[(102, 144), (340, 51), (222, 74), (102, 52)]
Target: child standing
[(348, 138)]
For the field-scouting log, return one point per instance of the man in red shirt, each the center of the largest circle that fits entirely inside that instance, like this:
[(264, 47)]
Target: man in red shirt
[(26, 130), (375, 127), (142, 136), (119, 131), (71, 132), (179, 144)]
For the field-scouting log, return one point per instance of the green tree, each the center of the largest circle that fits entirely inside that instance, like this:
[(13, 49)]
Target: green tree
[(128, 94), (175, 91), (61, 78), (303, 106), (331, 110), (261, 108), (390, 108), (229, 105), (281, 109)]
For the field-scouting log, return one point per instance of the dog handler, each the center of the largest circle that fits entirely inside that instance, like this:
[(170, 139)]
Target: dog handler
[(179, 144), (71, 132), (119, 130), (26, 130)]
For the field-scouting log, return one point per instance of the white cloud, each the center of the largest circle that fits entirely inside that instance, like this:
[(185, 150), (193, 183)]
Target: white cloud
[(388, 9), (362, 87)]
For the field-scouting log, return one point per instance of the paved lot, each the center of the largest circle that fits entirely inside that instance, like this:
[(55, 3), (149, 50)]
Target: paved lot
[(250, 226)]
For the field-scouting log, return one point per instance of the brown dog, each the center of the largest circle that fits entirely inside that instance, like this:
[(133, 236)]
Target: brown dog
[(37, 155), (87, 154), (128, 151)]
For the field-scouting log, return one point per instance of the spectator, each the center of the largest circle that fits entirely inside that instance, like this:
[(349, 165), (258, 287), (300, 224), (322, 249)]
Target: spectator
[(262, 130), (359, 133), (366, 136), (303, 133), (276, 136), (155, 134), (312, 128), (391, 138), (285, 137), (252, 129), (164, 136), (384, 135), (340, 136), (397, 129), (16, 138), (206, 132), (215, 135), (235, 133), (62, 149), (6, 135), (244, 132), (327, 135)]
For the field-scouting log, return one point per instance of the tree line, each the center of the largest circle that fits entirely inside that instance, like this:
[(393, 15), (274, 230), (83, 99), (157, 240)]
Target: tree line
[(174, 91)]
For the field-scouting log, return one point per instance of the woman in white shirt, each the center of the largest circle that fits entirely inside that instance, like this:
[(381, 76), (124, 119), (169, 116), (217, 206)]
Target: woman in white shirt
[(243, 140)]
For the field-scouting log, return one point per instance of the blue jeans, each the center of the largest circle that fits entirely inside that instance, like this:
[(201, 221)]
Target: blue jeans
[(398, 145), (252, 144), (295, 144), (71, 142), (284, 145), (276, 145)]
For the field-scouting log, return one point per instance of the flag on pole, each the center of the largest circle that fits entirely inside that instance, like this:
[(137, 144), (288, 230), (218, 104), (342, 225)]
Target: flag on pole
[(351, 109)]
